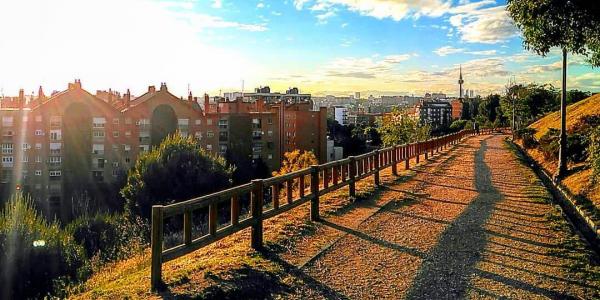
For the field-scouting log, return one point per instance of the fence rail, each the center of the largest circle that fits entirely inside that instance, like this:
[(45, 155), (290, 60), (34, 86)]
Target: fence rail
[(283, 193)]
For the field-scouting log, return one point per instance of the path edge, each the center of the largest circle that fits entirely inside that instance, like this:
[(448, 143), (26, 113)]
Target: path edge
[(574, 213)]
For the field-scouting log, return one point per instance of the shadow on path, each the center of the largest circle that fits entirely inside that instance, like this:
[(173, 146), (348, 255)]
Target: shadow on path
[(446, 272)]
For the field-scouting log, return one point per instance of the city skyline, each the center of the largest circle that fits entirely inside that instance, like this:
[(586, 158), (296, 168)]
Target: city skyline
[(321, 46)]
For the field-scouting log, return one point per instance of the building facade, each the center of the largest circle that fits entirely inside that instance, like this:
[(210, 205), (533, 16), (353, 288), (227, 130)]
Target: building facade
[(72, 142)]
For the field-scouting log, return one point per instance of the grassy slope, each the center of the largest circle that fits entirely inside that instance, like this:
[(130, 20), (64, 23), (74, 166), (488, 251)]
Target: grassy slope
[(577, 182), (226, 269)]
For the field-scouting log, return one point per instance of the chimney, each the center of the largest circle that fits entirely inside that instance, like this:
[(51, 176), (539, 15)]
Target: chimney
[(152, 89), (127, 98), (110, 96), (21, 98), (190, 97), (75, 85), (41, 95), (206, 105), (163, 86)]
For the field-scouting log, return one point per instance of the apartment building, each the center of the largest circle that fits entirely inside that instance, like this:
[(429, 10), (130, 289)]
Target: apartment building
[(434, 112), (54, 147)]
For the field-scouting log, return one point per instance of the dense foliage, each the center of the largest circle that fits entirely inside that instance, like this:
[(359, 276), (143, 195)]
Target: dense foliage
[(398, 127), (296, 160), (594, 154), (178, 169), (34, 254), (108, 238)]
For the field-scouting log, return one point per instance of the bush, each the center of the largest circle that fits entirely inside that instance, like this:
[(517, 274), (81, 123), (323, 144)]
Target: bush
[(34, 254), (527, 135), (577, 145), (549, 144), (458, 125), (107, 238), (176, 170), (594, 154)]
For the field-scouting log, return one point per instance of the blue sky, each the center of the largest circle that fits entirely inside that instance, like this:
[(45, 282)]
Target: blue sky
[(321, 46)]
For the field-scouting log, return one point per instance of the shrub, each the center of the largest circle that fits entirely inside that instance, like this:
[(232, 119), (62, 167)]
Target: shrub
[(178, 169), (458, 125), (34, 254), (594, 154), (527, 135), (577, 145), (549, 144), (109, 237)]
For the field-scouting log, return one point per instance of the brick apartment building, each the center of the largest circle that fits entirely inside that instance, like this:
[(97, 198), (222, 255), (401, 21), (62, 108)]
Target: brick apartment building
[(434, 112), (72, 139)]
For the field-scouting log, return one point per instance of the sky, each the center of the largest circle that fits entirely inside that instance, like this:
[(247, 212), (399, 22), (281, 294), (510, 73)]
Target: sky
[(376, 47)]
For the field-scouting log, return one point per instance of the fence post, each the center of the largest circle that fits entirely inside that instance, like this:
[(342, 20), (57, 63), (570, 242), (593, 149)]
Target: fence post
[(407, 157), (352, 175), (156, 242), (418, 150), (187, 227), (256, 204), (314, 189), (426, 149), (395, 160), (377, 164)]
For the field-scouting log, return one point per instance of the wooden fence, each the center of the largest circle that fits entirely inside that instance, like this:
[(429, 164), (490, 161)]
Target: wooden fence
[(284, 193)]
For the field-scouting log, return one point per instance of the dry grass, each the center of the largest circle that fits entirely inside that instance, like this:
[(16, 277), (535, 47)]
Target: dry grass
[(577, 182), (575, 112), (227, 268)]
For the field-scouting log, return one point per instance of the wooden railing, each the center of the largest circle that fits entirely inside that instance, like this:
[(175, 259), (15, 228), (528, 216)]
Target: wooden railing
[(284, 193)]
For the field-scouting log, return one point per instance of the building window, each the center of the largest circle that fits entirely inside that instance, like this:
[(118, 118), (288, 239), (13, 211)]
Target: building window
[(199, 122), (55, 135), (223, 124), (54, 173), (98, 122), (39, 132), (7, 148), (223, 136), (55, 121), (115, 121), (270, 132), (128, 121), (208, 121), (38, 172), (198, 135), (38, 159), (115, 134), (8, 133), (209, 134), (7, 121), (38, 146), (98, 175), (98, 134), (209, 147), (25, 158), (128, 133), (55, 148), (98, 149), (270, 121), (270, 156), (55, 160)]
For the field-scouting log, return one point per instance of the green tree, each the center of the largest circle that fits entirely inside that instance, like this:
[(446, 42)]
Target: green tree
[(574, 96), (178, 169), (398, 127), (488, 107), (572, 26)]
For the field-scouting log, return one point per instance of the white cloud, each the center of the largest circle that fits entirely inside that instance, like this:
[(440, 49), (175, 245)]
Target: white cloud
[(217, 4), (483, 52), (322, 18), (260, 5), (489, 25), (446, 50), (201, 21), (364, 68), (300, 3)]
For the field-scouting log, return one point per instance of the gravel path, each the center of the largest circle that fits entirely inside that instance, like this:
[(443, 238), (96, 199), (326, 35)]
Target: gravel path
[(472, 223)]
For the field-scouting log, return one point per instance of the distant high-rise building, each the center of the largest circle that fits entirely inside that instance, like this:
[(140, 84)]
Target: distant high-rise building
[(460, 83), (357, 95), (471, 93)]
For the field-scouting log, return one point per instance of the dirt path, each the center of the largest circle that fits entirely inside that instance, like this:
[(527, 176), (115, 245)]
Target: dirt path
[(474, 223)]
